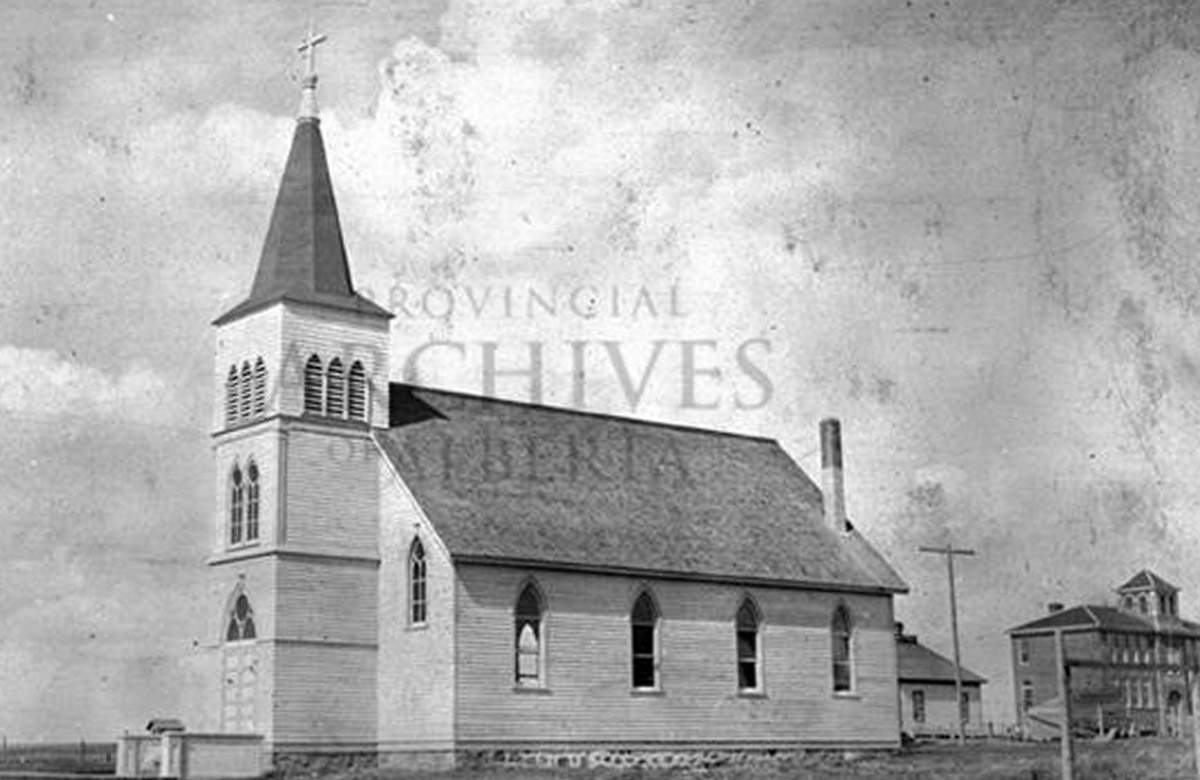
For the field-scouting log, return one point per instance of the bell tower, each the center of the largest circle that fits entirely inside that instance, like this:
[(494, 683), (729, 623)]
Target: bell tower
[(301, 380)]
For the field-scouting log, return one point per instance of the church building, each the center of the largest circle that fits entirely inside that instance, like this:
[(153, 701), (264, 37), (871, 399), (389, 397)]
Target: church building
[(402, 574)]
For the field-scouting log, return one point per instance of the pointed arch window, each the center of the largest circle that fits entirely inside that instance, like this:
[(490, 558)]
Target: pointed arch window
[(644, 623), (528, 636), (417, 602), (748, 658), (842, 636), (236, 505), (244, 396), (356, 395), (314, 386), (335, 389), (258, 401), (231, 396), (252, 493), (240, 627)]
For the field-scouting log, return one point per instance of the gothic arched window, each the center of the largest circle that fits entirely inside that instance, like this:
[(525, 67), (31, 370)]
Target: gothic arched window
[(643, 623), (842, 636), (231, 396), (241, 621), (528, 636), (259, 400), (748, 620), (356, 396), (236, 505), (246, 383), (314, 386), (252, 492), (335, 389), (417, 603)]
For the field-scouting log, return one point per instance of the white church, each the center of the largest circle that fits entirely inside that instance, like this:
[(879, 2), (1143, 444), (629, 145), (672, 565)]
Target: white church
[(415, 576)]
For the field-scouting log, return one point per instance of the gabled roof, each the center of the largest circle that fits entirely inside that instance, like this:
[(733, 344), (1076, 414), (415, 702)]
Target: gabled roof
[(507, 482), (303, 258), (1106, 619), (917, 663), (1146, 579)]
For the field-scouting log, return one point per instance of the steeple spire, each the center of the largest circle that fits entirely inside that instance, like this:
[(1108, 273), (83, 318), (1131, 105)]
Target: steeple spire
[(308, 87), (304, 258)]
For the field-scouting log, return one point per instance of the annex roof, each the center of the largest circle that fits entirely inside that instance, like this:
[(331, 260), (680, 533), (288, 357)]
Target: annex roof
[(1146, 579), (917, 663), (509, 482), (303, 258)]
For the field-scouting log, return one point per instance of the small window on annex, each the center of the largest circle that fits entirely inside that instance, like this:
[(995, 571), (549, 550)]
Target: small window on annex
[(842, 637), (918, 706), (643, 622), (417, 603), (748, 620), (528, 637)]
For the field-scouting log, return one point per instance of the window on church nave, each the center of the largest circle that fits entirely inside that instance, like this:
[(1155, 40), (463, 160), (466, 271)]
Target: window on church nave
[(643, 621), (314, 386), (842, 634), (356, 400), (237, 499), (241, 621), (417, 604), (528, 636), (335, 389), (748, 620), (252, 493)]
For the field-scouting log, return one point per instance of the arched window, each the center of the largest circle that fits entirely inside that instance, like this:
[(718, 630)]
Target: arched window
[(335, 389), (314, 386), (643, 622), (241, 621), (417, 602), (244, 396), (259, 400), (251, 501), (748, 620), (356, 397), (231, 396), (236, 505), (528, 636), (842, 635)]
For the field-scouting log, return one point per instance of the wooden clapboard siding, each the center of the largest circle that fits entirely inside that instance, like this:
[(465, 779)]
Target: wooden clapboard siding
[(326, 599), (330, 333), (256, 578), (941, 708), (416, 664), (588, 696), (332, 490), (323, 693)]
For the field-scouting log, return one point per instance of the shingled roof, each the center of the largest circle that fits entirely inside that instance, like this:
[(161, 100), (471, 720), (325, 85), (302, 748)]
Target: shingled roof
[(523, 484), (1092, 616), (917, 663), (303, 258)]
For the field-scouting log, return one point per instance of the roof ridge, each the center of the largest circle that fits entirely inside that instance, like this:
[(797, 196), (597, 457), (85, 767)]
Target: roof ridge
[(587, 413)]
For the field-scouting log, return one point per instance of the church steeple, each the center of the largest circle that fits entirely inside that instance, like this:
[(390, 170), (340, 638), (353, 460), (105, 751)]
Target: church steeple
[(304, 258)]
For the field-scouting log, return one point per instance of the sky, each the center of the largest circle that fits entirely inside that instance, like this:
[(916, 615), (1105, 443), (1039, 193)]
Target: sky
[(967, 228)]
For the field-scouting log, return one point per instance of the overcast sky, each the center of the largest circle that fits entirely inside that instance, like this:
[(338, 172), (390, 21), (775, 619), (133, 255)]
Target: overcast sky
[(967, 228)]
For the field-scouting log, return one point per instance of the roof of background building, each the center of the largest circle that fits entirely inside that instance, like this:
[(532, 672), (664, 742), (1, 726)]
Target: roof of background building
[(1106, 619), (519, 483), (1147, 579), (917, 663)]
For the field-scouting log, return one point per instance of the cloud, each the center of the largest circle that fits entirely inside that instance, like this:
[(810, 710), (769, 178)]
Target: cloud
[(41, 382)]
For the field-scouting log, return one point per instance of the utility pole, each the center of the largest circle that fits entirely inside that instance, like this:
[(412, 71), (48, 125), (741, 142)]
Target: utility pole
[(950, 551)]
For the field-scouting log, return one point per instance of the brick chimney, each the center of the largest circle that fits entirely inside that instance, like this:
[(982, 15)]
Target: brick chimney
[(831, 473)]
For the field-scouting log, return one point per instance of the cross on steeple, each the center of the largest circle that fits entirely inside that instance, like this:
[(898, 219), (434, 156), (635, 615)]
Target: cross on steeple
[(308, 47)]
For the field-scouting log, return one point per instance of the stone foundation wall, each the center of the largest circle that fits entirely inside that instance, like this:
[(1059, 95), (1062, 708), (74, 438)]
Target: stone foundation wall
[(628, 759), (299, 764)]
